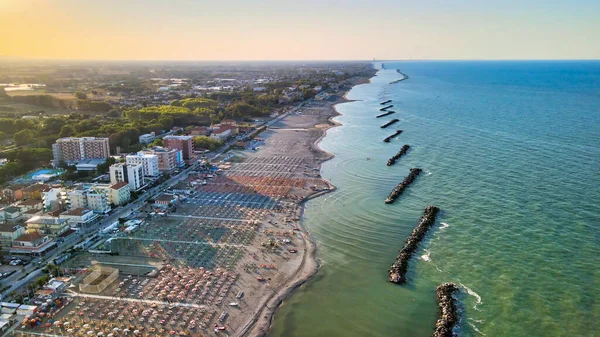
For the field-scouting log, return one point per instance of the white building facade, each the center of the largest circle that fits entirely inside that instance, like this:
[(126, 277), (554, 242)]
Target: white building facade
[(149, 163), (133, 174)]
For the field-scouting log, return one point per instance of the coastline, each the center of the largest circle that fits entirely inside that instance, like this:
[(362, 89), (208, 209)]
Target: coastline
[(260, 324)]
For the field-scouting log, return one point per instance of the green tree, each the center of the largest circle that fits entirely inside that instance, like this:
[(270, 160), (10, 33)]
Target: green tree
[(158, 142), (23, 137), (204, 142), (66, 131), (80, 95)]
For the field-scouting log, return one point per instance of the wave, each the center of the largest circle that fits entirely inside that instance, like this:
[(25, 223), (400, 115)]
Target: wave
[(444, 225), (426, 256), (474, 294), (476, 330)]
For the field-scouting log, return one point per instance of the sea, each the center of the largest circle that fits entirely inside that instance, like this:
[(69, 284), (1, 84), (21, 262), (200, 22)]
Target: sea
[(510, 152)]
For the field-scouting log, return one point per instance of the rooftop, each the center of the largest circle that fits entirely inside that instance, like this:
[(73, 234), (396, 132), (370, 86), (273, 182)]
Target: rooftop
[(179, 137), (9, 228), (29, 202), (77, 211), (29, 237), (119, 185)]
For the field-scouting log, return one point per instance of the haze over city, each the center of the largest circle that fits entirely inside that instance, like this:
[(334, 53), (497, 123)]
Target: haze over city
[(298, 30)]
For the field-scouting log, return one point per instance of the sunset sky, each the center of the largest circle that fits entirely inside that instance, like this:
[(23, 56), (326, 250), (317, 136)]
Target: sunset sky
[(299, 30)]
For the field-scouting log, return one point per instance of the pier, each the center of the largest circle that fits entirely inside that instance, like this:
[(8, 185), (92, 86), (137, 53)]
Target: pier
[(398, 270), (386, 102), (397, 156), (397, 191), (449, 312), (386, 107), (386, 114), (395, 120), (387, 139)]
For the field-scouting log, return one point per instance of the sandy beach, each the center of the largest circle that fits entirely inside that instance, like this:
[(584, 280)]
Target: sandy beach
[(316, 125)]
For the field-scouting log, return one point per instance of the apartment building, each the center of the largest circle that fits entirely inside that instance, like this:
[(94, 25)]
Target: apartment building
[(149, 163), (71, 150), (183, 143), (168, 159), (133, 174)]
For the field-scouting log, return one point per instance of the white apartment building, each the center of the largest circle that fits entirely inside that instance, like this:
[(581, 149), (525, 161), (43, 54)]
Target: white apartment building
[(149, 163), (133, 174), (95, 197), (147, 138)]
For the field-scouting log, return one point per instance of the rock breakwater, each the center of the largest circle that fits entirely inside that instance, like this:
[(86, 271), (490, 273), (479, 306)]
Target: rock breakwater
[(387, 139), (398, 190), (404, 77), (386, 107), (395, 120), (385, 102), (398, 270), (449, 313), (386, 114), (397, 156)]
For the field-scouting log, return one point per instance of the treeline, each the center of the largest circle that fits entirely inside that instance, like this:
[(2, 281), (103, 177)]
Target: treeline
[(23, 160)]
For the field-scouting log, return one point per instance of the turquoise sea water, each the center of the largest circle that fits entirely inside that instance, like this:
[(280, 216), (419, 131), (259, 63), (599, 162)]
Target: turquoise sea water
[(511, 154)]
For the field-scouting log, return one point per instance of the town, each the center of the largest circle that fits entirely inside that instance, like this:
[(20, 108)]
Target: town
[(158, 199)]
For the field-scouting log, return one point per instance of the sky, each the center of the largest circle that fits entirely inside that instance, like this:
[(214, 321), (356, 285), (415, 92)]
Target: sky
[(299, 30)]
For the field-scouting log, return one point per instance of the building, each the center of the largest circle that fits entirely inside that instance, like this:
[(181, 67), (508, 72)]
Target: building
[(48, 225), (10, 213), (149, 163), (168, 159), (166, 200), (133, 174), (80, 217), (13, 193), (147, 138), (221, 133), (54, 198), (183, 143), (120, 193), (70, 149), (30, 204), (94, 197), (199, 131), (35, 191), (89, 164), (8, 233), (32, 243)]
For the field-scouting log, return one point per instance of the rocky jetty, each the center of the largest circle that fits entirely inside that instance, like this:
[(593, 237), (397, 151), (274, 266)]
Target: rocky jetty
[(398, 270), (449, 314), (387, 139), (395, 120), (385, 114), (386, 107), (385, 102), (397, 191), (397, 156), (404, 77)]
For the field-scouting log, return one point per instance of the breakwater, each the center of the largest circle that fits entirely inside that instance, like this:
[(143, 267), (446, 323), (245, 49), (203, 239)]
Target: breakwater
[(387, 139), (386, 114), (398, 270), (385, 102), (386, 107), (397, 191), (404, 77), (397, 156), (395, 120), (449, 313)]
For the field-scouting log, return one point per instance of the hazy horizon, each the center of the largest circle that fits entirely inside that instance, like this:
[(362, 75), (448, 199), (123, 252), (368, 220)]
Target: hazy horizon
[(184, 30)]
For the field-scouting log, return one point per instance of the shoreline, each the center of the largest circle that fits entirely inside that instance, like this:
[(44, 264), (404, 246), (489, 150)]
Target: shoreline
[(260, 324)]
